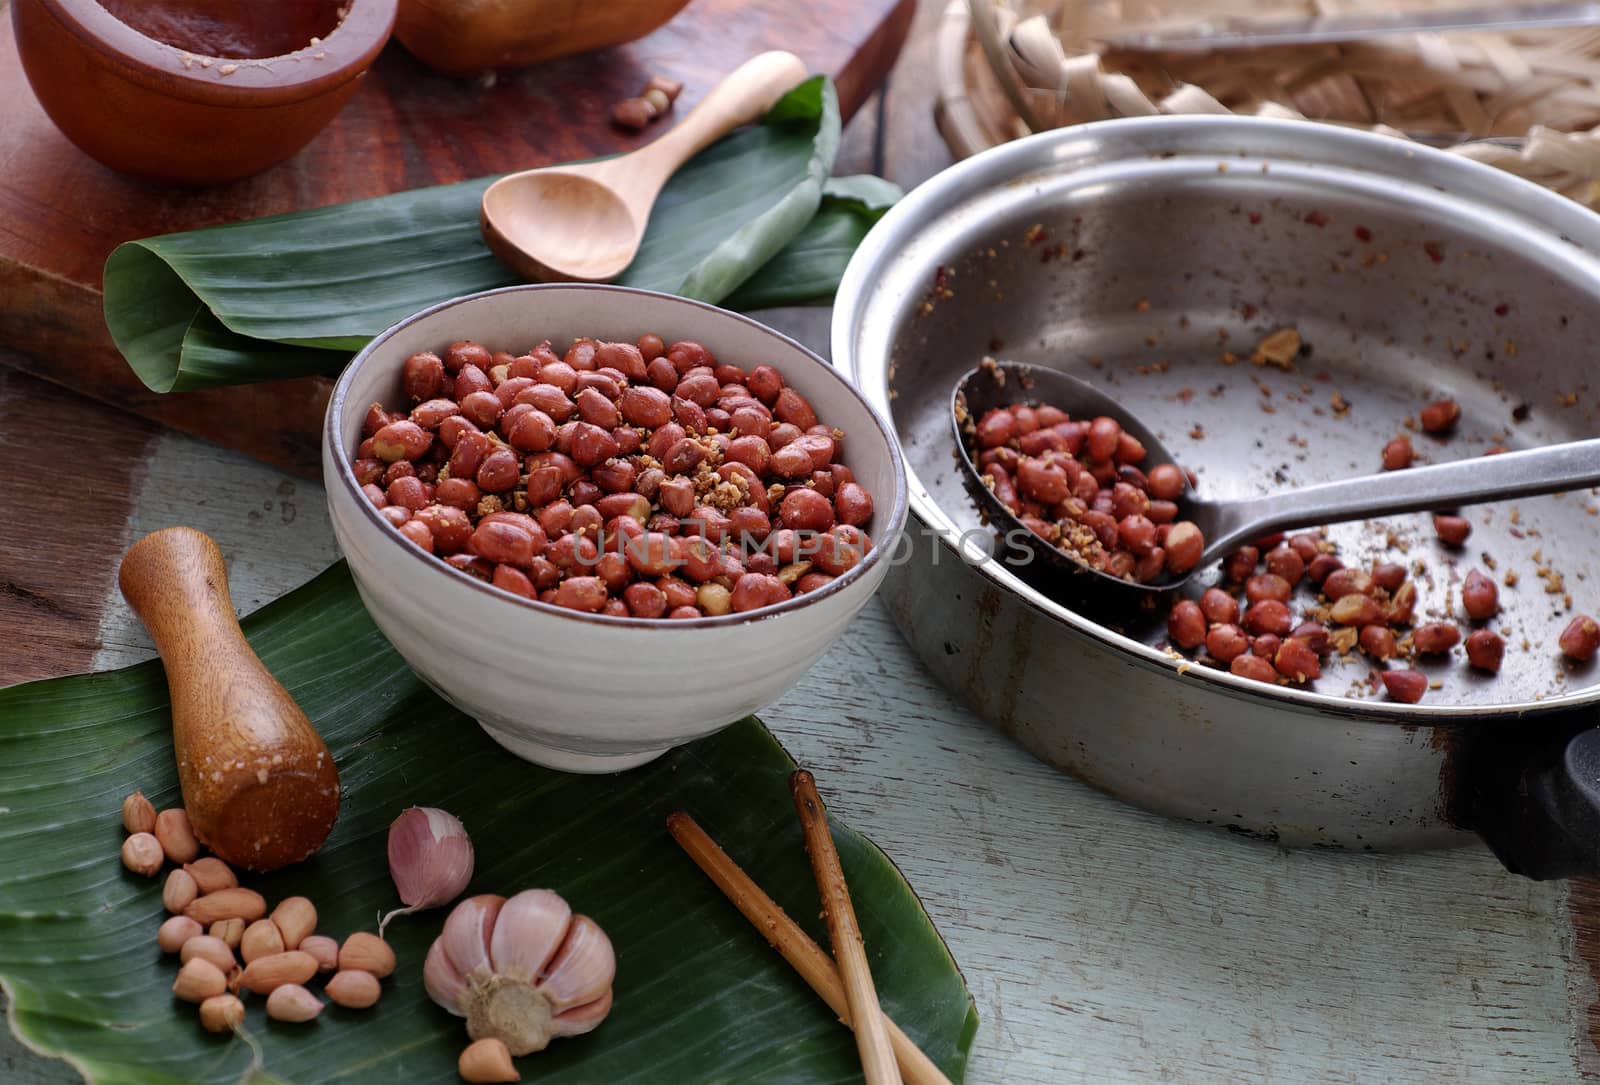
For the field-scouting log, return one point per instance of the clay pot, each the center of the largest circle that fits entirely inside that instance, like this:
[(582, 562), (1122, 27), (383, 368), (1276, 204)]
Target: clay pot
[(196, 91), (467, 37)]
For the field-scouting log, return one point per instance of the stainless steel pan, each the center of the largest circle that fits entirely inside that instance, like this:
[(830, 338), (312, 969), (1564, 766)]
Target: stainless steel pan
[(1144, 253)]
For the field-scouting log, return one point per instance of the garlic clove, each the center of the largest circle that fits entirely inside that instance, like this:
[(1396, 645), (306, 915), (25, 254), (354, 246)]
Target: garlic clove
[(467, 932), (441, 980), (430, 857), (527, 933), (582, 969), (581, 1019)]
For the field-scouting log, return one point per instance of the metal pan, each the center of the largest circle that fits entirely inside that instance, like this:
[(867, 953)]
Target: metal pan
[(1150, 256)]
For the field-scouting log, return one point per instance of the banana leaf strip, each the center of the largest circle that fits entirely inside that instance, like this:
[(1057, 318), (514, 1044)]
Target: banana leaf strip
[(292, 295), (809, 268)]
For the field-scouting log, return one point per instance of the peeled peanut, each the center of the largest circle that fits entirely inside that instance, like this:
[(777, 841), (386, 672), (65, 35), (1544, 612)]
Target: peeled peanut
[(261, 939), (324, 949), (177, 838), (230, 931), (487, 1060), (199, 980), (363, 952), (211, 874), (236, 903), (266, 974), (354, 990), (296, 917), (211, 949), (176, 931), (221, 1013), (142, 854), (179, 892), (294, 1003), (138, 814)]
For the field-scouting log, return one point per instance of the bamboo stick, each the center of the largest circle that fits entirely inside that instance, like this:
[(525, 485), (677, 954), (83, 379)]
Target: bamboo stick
[(849, 952), (793, 944)]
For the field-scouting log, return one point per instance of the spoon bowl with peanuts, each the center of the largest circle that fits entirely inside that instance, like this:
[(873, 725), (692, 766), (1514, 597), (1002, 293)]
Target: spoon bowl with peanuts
[(1071, 477)]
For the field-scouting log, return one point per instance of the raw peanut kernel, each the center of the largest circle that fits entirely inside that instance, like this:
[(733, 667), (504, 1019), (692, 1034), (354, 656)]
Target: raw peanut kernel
[(266, 974), (296, 918), (324, 949), (211, 949), (292, 1003), (235, 903), (231, 931), (142, 854), (261, 939), (487, 1061), (176, 931), (179, 892), (354, 990), (211, 874), (221, 1013), (176, 837), (364, 952), (138, 815), (199, 980)]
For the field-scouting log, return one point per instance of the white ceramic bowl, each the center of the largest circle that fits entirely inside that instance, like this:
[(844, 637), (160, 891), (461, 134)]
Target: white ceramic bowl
[(588, 692)]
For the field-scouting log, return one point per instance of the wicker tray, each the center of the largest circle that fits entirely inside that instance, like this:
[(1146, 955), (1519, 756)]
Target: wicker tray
[(1527, 103)]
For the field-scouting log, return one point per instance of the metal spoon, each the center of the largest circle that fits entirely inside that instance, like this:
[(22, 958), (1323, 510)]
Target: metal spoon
[(1228, 524), (584, 222)]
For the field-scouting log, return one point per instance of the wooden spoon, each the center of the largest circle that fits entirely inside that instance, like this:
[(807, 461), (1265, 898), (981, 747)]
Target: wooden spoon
[(584, 222), (259, 784)]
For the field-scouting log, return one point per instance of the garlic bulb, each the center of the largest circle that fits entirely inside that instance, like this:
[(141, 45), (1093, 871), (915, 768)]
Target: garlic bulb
[(523, 970), (430, 860)]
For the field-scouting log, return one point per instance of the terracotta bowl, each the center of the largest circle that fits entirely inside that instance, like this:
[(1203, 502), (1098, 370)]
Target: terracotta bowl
[(196, 91), (590, 692)]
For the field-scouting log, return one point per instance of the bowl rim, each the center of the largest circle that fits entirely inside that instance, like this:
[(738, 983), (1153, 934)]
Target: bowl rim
[(881, 547), (350, 48), (1545, 216)]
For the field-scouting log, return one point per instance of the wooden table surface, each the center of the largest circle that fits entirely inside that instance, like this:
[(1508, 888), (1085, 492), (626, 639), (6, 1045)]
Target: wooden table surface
[(1102, 944)]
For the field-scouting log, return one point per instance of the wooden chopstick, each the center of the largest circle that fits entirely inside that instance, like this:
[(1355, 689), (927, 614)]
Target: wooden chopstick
[(792, 943), (849, 952)]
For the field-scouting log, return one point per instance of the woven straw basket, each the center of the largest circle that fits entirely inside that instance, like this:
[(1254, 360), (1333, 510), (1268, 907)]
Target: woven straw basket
[(1528, 103)]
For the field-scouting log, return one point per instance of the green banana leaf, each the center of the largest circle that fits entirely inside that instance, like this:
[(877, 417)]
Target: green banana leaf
[(293, 295), (809, 267), (700, 998)]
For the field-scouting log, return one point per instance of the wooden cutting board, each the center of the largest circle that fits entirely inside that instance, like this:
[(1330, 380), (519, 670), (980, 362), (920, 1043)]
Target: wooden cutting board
[(61, 213)]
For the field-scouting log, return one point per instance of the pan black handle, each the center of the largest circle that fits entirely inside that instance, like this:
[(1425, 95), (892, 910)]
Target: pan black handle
[(1538, 804)]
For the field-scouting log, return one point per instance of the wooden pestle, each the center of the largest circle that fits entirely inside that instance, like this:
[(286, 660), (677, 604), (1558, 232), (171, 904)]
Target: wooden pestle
[(259, 784)]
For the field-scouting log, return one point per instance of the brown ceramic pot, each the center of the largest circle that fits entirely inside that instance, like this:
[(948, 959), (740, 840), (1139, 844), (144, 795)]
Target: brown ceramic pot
[(466, 37), (196, 91)]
